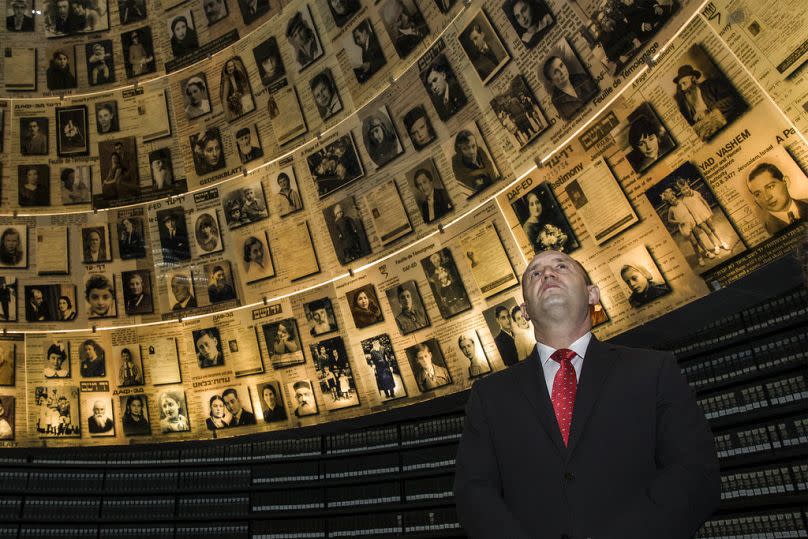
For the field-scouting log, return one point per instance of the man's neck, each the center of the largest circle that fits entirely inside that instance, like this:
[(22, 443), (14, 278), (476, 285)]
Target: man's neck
[(560, 337)]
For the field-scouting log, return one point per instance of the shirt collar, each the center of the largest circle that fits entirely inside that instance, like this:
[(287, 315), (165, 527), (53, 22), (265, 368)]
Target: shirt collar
[(579, 347), (783, 215)]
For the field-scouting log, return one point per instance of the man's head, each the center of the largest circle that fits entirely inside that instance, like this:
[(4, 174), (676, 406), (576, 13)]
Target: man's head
[(104, 116), (686, 77), (62, 9), (303, 395), (99, 409), (297, 31), (466, 345), (32, 176), (214, 9), (361, 34), (423, 357), (418, 127), (34, 127), (36, 296), (769, 187), (323, 90), (243, 137), (404, 298), (283, 181), (423, 181), (18, 7), (231, 401), (556, 72), (338, 213), (466, 146), (180, 287), (503, 318), (94, 241), (437, 79), (207, 345), (605, 22), (477, 38)]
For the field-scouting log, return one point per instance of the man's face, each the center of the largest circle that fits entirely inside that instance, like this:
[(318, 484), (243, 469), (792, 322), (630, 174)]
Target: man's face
[(504, 320), (19, 10), (360, 36), (36, 295), (424, 184), (34, 127), (377, 133), (232, 403), (467, 347), (104, 119), (135, 408), (180, 289), (405, 299), (249, 194), (436, 82), (63, 9), (424, 359), (523, 14), (419, 131), (469, 150), (339, 7), (136, 285), (648, 145), (299, 37), (32, 176), (100, 300), (269, 64), (478, 40), (94, 241), (283, 183), (636, 281), (303, 396), (338, 212), (206, 345), (322, 95), (606, 22), (89, 350), (11, 242), (98, 410), (554, 286), (244, 143), (213, 9), (686, 82), (559, 75), (770, 193)]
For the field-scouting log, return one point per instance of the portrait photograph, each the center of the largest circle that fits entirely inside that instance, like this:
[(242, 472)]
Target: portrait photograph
[(244, 205), (428, 190), (215, 10), (138, 297), (20, 15), (335, 165), (334, 374), (443, 87), (71, 126), (135, 415), (303, 400), (8, 362), (138, 52), (382, 362), (182, 33), (379, 136), (363, 50), (519, 113), (207, 232), (61, 71), (419, 127), (9, 296), (100, 296), (445, 5), (127, 365), (64, 18), (543, 222), (131, 11), (7, 414), (346, 230), (256, 259), (285, 192), (221, 286), (343, 10), (92, 359), (181, 293), (320, 317), (227, 407), (106, 117), (473, 167), (235, 92), (120, 176), (512, 334), (50, 303), (471, 354), (648, 139), (131, 239), (248, 143), (207, 151), (428, 365), (75, 184), (303, 39), (2, 130), (271, 402), (405, 25), (99, 414), (444, 280), (269, 61), (173, 230), (641, 280), (326, 96), (283, 343), (34, 135), (208, 347), (483, 47), (252, 10), (161, 166), (530, 19), (366, 309), (14, 246), (95, 244), (694, 218), (57, 411), (100, 62), (408, 307), (566, 80), (33, 185), (195, 94), (173, 412)]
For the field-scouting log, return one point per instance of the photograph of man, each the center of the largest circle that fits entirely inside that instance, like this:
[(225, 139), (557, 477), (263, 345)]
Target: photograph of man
[(244, 205), (195, 93), (100, 422), (569, 85), (208, 346), (60, 19), (100, 62), (208, 152), (429, 191), (13, 247), (335, 165), (419, 128), (130, 11), (483, 48), (240, 415), (679, 478), (444, 280), (235, 92), (135, 418), (518, 112), (129, 373), (162, 169), (408, 307), (405, 25), (244, 143), (473, 168), (220, 287), (443, 88), (33, 185), (334, 375), (207, 232), (182, 31), (138, 52), (37, 308), (106, 117), (95, 244), (770, 189), (346, 230), (34, 136), (174, 242), (8, 299), (380, 137), (304, 397), (531, 19), (99, 294), (272, 402), (543, 222), (21, 18), (648, 139), (364, 51), (268, 59), (428, 365), (326, 96), (287, 195), (469, 345), (382, 360), (92, 359), (215, 10), (320, 317), (639, 273), (61, 74), (252, 10), (137, 292), (501, 327), (182, 288), (607, 34), (131, 243), (343, 10), (256, 258), (302, 36)]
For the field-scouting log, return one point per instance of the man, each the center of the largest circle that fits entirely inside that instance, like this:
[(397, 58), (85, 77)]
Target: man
[(215, 10), (11, 248), (208, 353), (769, 187), (253, 208), (138, 301), (482, 57), (252, 10), (477, 365), (94, 251), (18, 21), (36, 143), (471, 165), (36, 310), (240, 415), (445, 92), (570, 91), (702, 101), (419, 127), (372, 56), (246, 151), (219, 289), (349, 237), (625, 454), (325, 95), (64, 20), (505, 341), (99, 422), (618, 45), (174, 242), (409, 319), (306, 404), (181, 289), (303, 40), (343, 10), (290, 199), (105, 119), (406, 29), (130, 241), (428, 375), (434, 203), (197, 102)]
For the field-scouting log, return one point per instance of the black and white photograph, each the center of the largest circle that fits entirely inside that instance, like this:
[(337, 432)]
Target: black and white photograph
[(471, 351), (173, 229), (34, 135), (208, 151), (33, 185), (131, 238), (2, 130), (138, 297), (221, 286), (343, 10), (694, 218), (443, 87), (428, 365), (57, 360), (256, 260), (252, 10), (346, 230), (106, 117), (271, 401), (99, 413), (302, 398), (405, 25), (65, 18), (335, 165), (215, 10), (50, 303), (14, 246), (473, 167), (92, 359), (208, 347), (100, 299), (380, 137), (325, 94), (429, 191), (207, 232), (138, 52), (181, 290), (408, 307), (419, 127), (161, 166), (9, 296), (227, 408), (566, 80), (302, 37), (248, 144), (530, 19), (283, 343), (641, 280), (135, 415), (235, 92), (57, 411), (7, 414), (483, 47), (127, 365), (269, 61), (518, 112), (366, 309), (173, 411), (320, 317), (195, 95), (704, 95), (120, 176), (61, 71), (382, 361), (444, 280), (244, 205), (334, 374), (543, 222), (363, 50), (95, 244), (182, 33), (131, 11), (8, 362), (71, 127), (445, 5), (285, 192), (512, 334), (100, 62), (20, 16), (648, 140)]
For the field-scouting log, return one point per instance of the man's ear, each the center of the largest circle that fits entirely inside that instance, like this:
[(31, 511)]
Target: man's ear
[(594, 294), (523, 307)]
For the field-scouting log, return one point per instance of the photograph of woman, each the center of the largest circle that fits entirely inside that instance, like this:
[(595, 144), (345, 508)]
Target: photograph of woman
[(235, 92), (543, 222), (380, 138), (137, 48), (256, 259), (135, 418), (172, 413), (217, 415), (531, 19), (57, 364), (208, 152), (365, 306), (59, 74), (208, 235), (66, 312), (272, 402), (283, 343), (183, 34)]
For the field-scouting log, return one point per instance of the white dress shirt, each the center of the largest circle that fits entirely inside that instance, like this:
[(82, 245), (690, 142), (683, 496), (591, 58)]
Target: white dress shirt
[(550, 366)]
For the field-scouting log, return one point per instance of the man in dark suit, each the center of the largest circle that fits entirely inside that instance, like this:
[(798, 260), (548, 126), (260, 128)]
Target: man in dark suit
[(506, 344), (444, 90), (434, 202), (240, 415), (625, 454), (173, 240), (19, 21), (769, 186), (181, 288)]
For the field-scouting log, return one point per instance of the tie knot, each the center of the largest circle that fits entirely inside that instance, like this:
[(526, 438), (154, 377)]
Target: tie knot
[(563, 355)]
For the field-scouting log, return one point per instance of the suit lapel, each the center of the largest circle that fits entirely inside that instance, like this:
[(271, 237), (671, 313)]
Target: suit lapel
[(532, 383), (597, 365)]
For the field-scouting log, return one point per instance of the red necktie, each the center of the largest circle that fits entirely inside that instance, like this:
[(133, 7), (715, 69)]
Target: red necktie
[(565, 384)]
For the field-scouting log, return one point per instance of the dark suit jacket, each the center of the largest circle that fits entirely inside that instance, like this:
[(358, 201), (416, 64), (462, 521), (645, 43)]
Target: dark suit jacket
[(640, 461), (507, 348), (774, 225), (247, 418), (441, 205), (27, 24)]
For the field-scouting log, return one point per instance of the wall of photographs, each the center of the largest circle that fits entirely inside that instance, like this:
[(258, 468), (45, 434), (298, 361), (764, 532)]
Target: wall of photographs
[(254, 215)]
